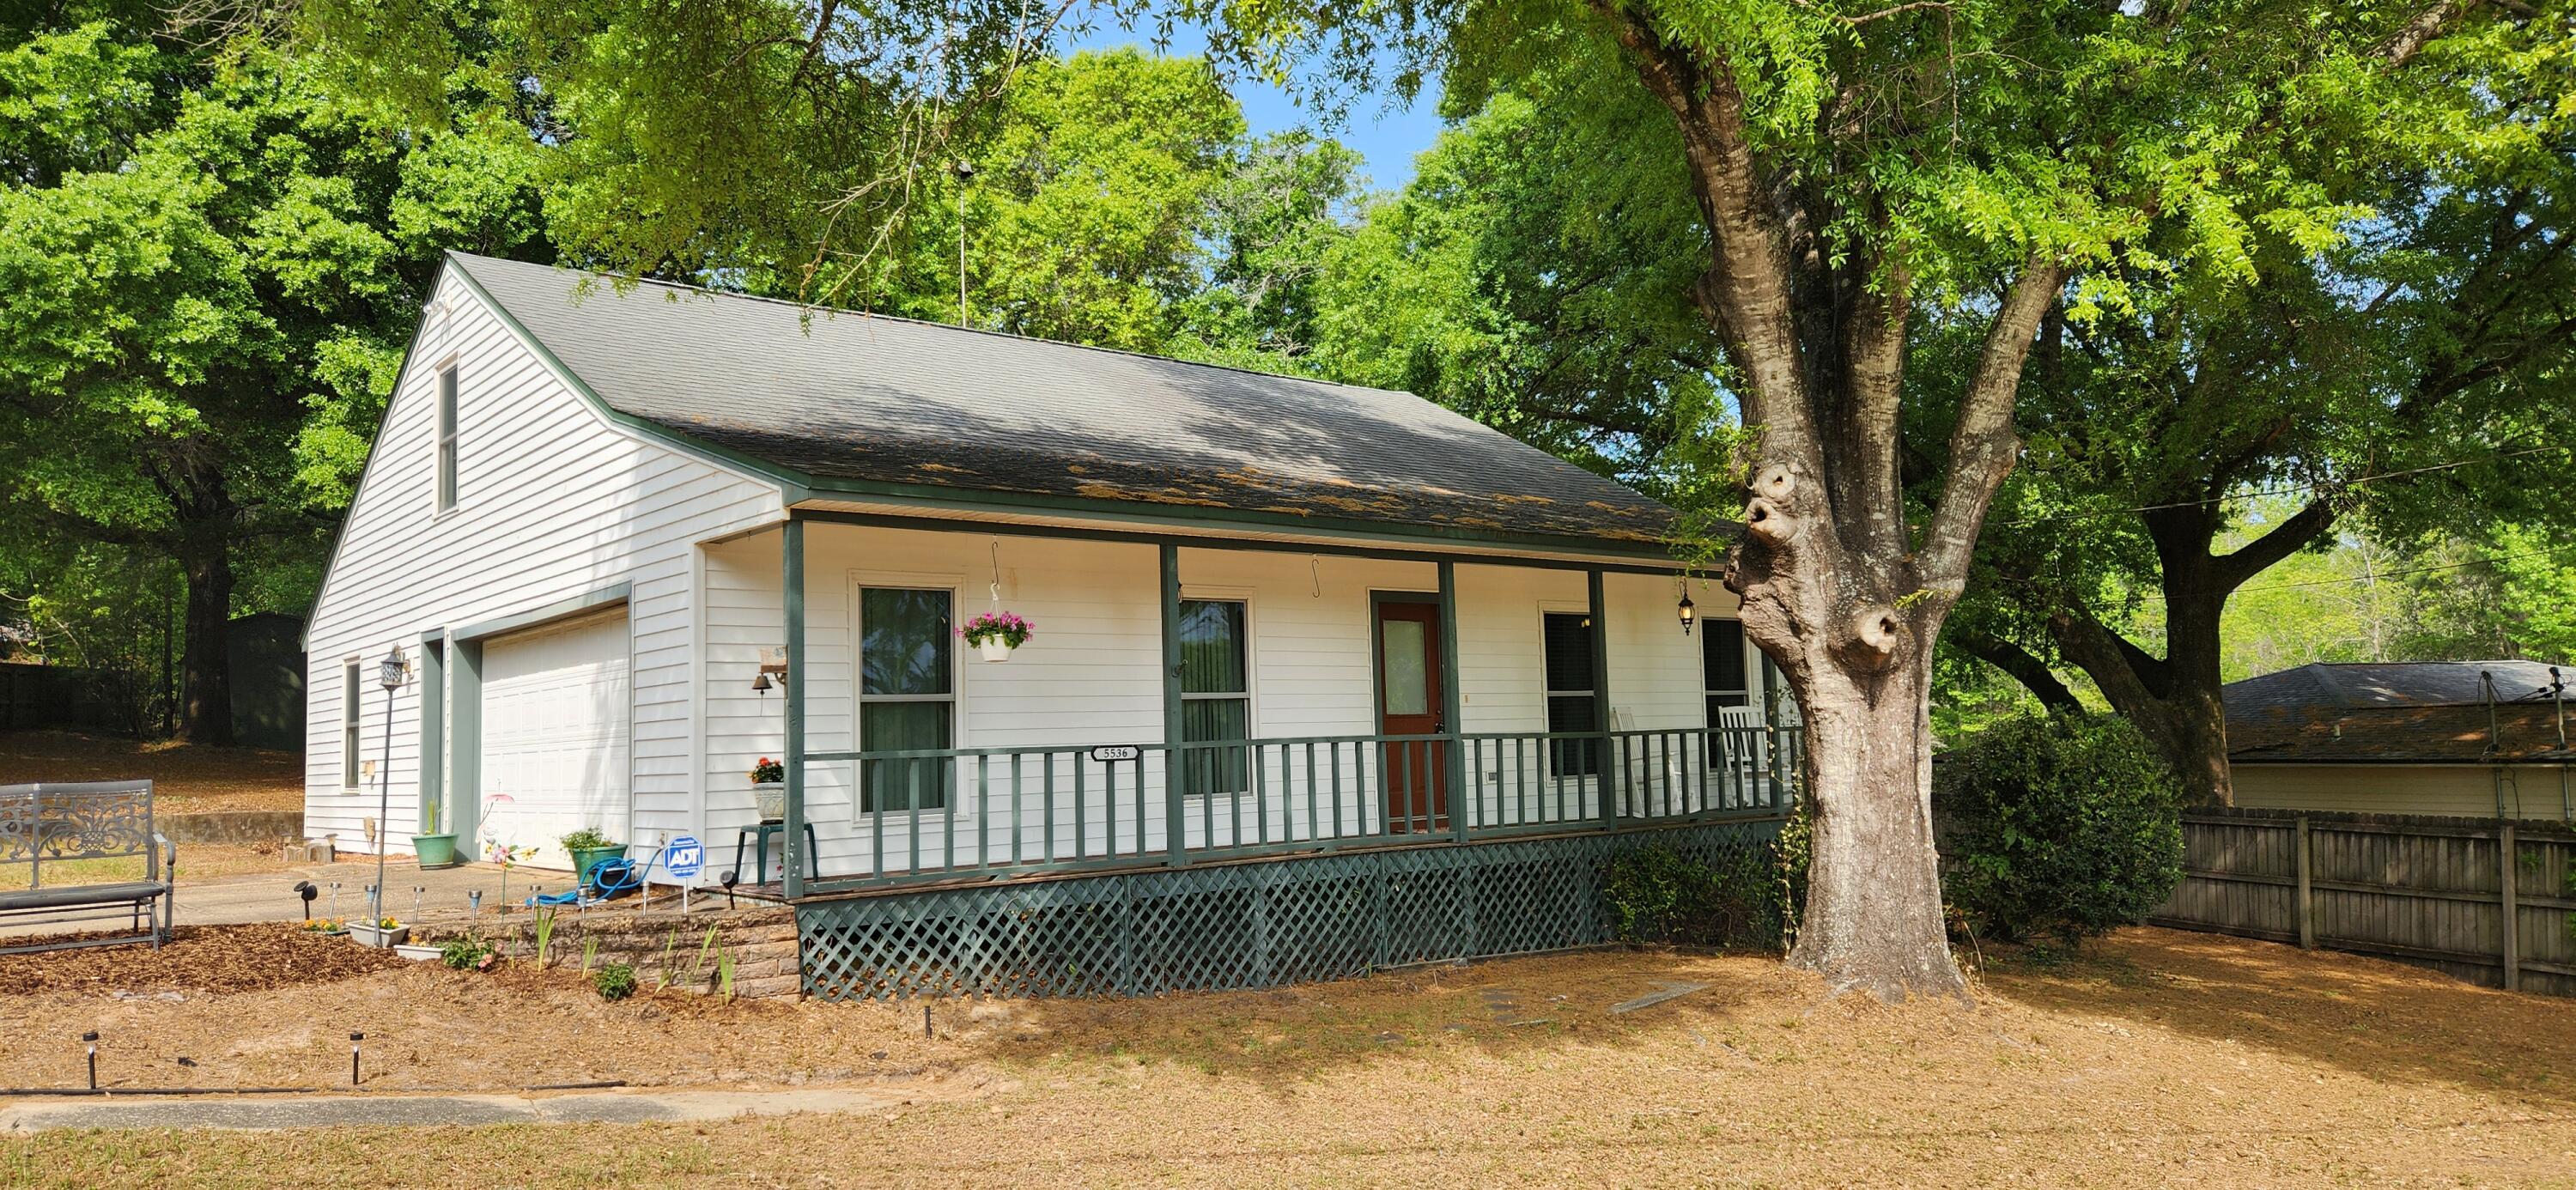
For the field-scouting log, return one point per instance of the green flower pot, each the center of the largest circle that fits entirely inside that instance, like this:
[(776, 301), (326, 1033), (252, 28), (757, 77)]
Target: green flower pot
[(586, 858), (434, 851)]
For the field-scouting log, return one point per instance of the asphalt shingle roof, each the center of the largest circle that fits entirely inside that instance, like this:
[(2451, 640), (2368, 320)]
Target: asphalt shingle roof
[(847, 396), (2414, 712)]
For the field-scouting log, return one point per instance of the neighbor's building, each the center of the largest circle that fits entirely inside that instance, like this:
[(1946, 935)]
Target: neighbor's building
[(2485, 739), (625, 532)]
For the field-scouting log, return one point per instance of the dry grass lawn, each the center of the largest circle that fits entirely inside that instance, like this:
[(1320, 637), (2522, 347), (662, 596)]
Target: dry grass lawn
[(188, 779), (2157, 1059)]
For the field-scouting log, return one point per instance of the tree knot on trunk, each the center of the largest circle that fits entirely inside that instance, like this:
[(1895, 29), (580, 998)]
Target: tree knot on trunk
[(1774, 483), (1877, 636), (1769, 523)]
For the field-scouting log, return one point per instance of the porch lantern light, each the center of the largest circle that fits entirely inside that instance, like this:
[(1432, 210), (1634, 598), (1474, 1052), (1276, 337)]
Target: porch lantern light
[(392, 673), (1689, 613)]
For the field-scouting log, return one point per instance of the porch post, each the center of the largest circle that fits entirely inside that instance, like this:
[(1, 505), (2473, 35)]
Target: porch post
[(1175, 816), (1451, 722), (1604, 762), (791, 577)]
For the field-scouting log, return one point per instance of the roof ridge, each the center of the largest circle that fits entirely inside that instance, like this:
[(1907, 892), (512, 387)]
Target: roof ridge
[(1013, 336)]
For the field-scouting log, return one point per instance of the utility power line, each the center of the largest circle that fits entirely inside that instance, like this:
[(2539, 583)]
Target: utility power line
[(2296, 488)]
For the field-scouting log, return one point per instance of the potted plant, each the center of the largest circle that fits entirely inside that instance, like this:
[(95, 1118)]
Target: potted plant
[(588, 849), (995, 634), (435, 849), (769, 789), (385, 932)]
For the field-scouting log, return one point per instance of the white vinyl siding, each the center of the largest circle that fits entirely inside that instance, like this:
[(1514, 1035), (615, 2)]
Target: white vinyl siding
[(558, 503)]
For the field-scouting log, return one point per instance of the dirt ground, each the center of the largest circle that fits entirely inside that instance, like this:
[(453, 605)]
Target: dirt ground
[(2158, 1058), (187, 779)]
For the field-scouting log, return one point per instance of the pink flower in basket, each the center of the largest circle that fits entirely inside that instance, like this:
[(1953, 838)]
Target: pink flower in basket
[(1006, 627)]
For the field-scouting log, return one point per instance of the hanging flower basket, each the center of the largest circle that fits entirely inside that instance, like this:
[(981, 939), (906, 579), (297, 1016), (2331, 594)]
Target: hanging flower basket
[(995, 634)]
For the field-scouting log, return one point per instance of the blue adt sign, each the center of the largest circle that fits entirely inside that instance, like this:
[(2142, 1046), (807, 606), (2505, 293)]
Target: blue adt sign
[(683, 857)]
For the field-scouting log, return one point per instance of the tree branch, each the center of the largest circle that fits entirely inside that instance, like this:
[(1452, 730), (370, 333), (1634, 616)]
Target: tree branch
[(2024, 666), (2284, 539), (1983, 445)]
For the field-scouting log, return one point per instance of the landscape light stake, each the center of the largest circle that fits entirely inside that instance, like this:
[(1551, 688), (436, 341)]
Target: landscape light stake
[(416, 891), (354, 1039), (91, 1039), (335, 900)]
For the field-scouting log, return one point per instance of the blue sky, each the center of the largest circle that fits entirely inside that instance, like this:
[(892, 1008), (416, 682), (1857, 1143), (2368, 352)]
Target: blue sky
[(1387, 136)]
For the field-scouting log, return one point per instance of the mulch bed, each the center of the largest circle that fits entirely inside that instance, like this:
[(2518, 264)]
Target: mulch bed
[(207, 959)]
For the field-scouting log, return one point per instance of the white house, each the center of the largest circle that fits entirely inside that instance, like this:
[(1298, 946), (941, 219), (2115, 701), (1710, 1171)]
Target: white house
[(596, 509)]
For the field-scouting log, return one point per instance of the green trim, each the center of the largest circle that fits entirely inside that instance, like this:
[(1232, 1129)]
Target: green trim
[(1600, 617), (1175, 820), (796, 487), (561, 609), (1452, 718), (876, 520), (465, 744), (791, 574), (433, 727)]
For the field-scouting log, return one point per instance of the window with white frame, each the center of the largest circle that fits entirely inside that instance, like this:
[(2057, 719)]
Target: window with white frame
[(1571, 706), (447, 438), (1216, 695), (349, 687), (907, 697)]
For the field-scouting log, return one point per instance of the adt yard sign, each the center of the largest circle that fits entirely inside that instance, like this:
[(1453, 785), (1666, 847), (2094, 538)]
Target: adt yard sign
[(684, 857)]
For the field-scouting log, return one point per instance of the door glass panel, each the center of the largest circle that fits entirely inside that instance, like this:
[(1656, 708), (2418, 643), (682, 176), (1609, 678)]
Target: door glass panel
[(1408, 682)]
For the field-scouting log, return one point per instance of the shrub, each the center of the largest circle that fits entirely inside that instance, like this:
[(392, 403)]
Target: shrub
[(2058, 827), (1741, 898), (586, 839), (464, 953), (615, 981)]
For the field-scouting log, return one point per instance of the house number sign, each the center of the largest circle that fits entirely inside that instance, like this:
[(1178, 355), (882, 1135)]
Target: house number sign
[(1113, 753)]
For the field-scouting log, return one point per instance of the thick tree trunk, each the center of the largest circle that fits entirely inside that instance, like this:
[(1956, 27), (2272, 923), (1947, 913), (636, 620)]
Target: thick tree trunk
[(1873, 920), (205, 672)]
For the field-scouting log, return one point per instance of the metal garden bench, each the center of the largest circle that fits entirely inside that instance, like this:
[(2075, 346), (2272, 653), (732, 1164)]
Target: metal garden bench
[(52, 823)]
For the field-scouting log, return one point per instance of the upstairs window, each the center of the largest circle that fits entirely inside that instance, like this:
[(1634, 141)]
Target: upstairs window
[(1571, 706), (447, 438)]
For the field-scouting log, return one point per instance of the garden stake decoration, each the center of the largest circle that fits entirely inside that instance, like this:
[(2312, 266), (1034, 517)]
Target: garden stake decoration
[(91, 1039)]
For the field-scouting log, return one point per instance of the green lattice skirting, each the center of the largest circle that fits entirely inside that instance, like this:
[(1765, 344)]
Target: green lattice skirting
[(1242, 925)]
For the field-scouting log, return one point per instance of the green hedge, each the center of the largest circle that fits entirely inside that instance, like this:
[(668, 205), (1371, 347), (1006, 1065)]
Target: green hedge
[(1746, 897), (2056, 827)]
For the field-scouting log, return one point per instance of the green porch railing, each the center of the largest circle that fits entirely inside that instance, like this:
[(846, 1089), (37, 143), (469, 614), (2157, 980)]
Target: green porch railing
[(951, 813)]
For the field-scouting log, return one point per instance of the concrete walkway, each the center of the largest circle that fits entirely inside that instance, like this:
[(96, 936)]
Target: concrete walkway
[(427, 1111)]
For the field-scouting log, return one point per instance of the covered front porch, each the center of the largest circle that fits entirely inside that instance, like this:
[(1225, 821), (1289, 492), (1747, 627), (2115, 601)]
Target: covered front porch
[(1193, 700)]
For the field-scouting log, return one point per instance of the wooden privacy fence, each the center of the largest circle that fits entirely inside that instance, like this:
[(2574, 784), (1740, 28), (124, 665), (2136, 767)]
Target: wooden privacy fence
[(2486, 900)]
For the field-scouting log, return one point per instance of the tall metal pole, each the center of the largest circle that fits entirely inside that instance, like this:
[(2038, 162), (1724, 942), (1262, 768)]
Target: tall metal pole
[(384, 811)]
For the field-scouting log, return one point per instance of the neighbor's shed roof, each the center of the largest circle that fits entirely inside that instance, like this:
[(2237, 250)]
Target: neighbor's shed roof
[(2410, 712), (849, 401)]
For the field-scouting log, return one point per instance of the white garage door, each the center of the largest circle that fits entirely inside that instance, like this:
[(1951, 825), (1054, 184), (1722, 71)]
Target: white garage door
[(555, 710)]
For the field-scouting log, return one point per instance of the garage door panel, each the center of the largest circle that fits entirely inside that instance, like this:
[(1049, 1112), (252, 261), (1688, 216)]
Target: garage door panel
[(556, 710)]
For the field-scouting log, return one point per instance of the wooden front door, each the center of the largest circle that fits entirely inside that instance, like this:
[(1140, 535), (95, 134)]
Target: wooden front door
[(1414, 775)]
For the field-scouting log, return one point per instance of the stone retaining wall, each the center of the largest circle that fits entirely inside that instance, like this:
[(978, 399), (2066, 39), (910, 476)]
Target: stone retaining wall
[(762, 941), (261, 828)]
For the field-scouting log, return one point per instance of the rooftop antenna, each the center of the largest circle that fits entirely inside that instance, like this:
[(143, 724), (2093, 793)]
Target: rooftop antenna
[(2495, 741), (2558, 707), (965, 171)]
